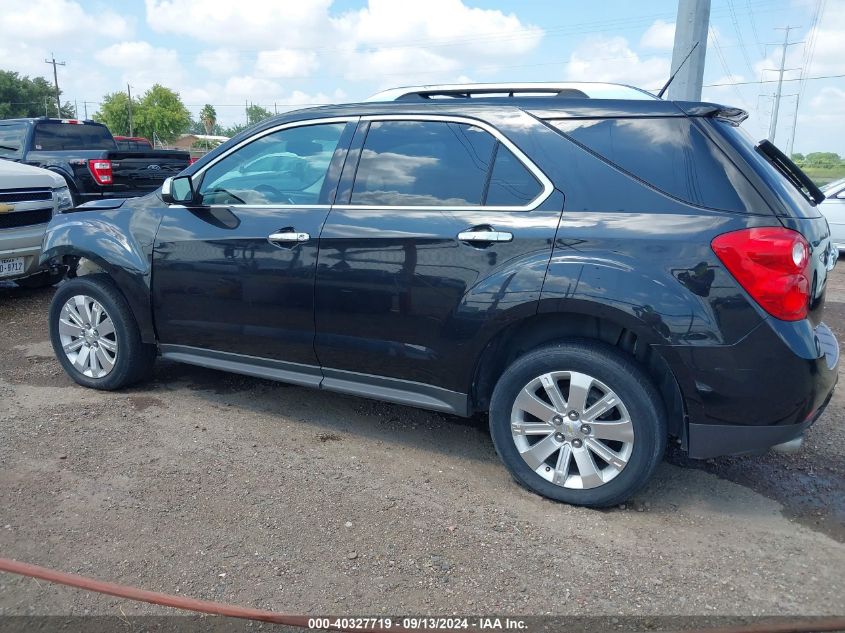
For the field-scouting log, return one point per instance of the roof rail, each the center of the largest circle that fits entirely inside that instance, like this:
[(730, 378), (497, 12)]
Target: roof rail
[(569, 90)]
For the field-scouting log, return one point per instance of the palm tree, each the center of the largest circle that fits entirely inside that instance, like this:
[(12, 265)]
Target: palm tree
[(208, 118)]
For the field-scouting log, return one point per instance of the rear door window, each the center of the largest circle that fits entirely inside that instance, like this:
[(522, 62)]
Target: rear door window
[(440, 164), (423, 163), (670, 154), (53, 136), (12, 137)]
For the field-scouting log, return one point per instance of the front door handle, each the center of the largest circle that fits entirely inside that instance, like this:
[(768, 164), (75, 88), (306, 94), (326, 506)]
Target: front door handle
[(288, 237), (485, 235)]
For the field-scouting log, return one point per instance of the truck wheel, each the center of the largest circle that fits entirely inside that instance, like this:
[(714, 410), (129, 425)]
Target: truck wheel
[(578, 422), (95, 336)]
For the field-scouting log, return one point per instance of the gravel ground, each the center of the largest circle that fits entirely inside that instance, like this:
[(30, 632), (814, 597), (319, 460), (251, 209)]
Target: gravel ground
[(235, 489)]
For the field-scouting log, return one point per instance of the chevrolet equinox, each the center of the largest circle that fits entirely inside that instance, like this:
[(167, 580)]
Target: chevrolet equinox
[(598, 269)]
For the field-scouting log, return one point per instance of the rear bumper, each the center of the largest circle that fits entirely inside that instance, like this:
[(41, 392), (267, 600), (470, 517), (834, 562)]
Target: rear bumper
[(765, 390), (714, 440)]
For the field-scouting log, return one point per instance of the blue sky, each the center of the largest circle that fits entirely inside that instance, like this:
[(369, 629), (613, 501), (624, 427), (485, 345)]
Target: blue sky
[(292, 52)]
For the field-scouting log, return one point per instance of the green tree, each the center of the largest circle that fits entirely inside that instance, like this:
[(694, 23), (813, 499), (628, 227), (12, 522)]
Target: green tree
[(25, 97), (114, 112), (234, 130), (208, 118), (798, 158), (255, 114), (823, 159), (161, 115)]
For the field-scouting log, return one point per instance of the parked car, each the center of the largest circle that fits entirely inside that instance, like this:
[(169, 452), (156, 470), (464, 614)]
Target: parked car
[(86, 156), (598, 269), (833, 208), (29, 198), (132, 142)]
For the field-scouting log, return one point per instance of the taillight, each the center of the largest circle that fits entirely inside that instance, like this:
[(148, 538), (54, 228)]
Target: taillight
[(192, 160), (773, 265), (101, 170)]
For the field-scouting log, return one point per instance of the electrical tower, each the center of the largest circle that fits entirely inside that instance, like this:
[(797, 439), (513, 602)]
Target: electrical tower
[(773, 124)]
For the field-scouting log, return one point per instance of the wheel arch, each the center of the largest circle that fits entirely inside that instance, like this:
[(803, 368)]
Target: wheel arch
[(97, 247), (615, 330)]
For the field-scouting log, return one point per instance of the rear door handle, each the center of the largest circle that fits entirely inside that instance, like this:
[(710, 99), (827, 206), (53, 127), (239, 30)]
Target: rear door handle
[(288, 237), (485, 236)]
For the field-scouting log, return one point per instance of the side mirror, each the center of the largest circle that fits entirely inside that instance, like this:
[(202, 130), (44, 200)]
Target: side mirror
[(178, 190)]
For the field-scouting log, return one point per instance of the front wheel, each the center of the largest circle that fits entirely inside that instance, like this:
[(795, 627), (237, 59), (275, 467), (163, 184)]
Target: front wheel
[(578, 422), (95, 336)]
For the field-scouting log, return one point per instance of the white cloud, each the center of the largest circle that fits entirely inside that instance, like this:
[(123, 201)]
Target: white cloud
[(259, 23), (414, 40), (428, 41), (611, 59), (143, 64), (829, 105), (56, 21), (285, 62), (660, 35), (220, 61)]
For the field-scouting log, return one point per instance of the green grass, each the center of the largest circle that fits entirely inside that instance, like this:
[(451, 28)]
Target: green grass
[(823, 175)]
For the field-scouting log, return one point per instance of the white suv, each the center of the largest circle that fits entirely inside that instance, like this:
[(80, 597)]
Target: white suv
[(29, 197)]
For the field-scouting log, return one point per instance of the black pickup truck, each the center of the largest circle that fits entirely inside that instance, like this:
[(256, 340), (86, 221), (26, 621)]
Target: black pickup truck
[(86, 155)]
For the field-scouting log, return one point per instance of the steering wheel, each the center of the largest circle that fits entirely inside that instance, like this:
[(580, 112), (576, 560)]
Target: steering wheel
[(276, 194)]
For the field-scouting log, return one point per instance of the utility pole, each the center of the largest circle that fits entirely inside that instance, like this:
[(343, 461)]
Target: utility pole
[(794, 126), (691, 26), (56, 82), (85, 106), (129, 93), (773, 124)]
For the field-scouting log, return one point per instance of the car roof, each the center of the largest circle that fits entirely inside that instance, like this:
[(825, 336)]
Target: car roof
[(480, 106)]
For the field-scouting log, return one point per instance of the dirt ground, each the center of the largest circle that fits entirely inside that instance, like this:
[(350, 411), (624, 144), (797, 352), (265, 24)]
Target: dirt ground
[(236, 489)]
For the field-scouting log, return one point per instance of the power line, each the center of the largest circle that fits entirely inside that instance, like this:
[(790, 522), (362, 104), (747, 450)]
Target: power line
[(740, 38), (724, 63), (754, 28)]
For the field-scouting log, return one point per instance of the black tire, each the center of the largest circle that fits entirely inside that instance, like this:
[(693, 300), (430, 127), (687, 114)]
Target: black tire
[(41, 279), (134, 359), (618, 372)]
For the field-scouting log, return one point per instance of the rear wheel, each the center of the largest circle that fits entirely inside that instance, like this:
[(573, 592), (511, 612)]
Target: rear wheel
[(578, 422), (95, 336)]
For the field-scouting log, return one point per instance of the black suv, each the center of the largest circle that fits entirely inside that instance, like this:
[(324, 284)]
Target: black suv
[(598, 269)]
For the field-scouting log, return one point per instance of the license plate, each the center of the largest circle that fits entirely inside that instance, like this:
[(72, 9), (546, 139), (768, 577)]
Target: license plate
[(11, 266)]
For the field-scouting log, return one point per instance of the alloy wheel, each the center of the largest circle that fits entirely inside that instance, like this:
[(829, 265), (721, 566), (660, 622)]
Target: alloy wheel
[(88, 336), (572, 429)]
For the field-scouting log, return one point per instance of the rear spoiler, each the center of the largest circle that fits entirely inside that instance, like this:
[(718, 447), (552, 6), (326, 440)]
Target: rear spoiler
[(734, 116), (790, 170)]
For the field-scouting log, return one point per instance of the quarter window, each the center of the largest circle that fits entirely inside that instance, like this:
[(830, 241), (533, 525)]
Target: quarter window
[(287, 167), (511, 184), (670, 154)]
